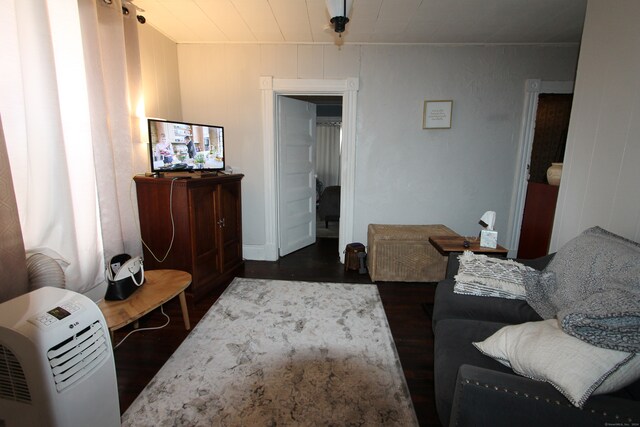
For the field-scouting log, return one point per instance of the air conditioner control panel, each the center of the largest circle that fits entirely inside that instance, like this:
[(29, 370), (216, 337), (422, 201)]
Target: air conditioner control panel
[(56, 314)]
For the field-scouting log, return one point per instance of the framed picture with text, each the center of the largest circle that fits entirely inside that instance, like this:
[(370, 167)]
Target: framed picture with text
[(437, 115)]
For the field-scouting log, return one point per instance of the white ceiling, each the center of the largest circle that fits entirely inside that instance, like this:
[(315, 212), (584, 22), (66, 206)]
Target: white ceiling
[(371, 21)]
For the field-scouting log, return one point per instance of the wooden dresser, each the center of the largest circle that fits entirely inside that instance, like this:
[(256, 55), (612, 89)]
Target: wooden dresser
[(207, 216)]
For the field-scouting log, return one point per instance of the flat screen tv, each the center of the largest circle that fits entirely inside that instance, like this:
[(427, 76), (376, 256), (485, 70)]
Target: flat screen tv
[(181, 146)]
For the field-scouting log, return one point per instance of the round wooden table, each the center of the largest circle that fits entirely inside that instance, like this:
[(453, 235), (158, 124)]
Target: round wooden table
[(159, 287)]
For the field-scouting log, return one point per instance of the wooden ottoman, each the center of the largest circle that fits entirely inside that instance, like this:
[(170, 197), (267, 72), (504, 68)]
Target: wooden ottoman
[(402, 253)]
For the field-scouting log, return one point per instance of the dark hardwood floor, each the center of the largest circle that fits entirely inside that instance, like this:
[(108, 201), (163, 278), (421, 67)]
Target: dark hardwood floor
[(143, 353)]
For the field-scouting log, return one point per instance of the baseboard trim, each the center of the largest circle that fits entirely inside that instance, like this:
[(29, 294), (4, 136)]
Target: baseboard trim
[(260, 252)]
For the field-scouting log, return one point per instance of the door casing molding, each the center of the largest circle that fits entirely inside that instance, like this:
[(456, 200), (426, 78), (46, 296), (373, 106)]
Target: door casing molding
[(271, 88)]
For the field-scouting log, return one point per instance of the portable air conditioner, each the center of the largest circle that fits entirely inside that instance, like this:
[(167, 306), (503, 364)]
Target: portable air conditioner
[(56, 362)]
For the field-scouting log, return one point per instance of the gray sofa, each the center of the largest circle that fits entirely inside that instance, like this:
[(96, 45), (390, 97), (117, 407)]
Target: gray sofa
[(472, 389)]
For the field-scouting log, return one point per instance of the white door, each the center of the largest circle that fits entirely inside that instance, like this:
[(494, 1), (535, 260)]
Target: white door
[(296, 174)]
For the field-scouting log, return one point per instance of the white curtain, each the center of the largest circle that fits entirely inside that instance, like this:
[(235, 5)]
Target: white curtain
[(71, 130), (328, 142)]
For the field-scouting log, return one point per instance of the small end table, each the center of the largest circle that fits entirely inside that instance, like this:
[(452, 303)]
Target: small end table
[(447, 244), (159, 287)]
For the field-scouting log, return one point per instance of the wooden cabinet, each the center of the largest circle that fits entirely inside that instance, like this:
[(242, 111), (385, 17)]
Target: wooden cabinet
[(192, 225), (537, 220)]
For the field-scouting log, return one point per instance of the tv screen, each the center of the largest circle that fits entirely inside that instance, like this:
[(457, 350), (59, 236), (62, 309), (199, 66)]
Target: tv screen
[(180, 146)]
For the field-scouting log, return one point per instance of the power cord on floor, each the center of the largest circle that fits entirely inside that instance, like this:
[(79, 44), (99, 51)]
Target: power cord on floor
[(173, 225), (153, 328)]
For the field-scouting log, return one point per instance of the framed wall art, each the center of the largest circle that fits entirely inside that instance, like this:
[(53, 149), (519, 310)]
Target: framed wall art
[(437, 115)]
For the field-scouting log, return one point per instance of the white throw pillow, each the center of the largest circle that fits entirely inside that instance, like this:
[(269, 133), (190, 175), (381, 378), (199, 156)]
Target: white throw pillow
[(543, 352)]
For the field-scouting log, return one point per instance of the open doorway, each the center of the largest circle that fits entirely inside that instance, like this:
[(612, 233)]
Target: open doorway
[(327, 163), (272, 89), (533, 89), (309, 142), (549, 141)]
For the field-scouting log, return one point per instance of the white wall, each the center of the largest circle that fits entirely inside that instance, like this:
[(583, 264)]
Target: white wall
[(409, 175), (220, 84), (404, 174), (159, 59), (601, 178)]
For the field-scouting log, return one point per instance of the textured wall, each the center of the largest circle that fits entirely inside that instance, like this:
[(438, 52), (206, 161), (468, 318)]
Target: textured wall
[(409, 175), (160, 81), (601, 179)]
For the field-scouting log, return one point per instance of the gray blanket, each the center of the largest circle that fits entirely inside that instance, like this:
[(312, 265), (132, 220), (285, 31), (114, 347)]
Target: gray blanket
[(592, 286)]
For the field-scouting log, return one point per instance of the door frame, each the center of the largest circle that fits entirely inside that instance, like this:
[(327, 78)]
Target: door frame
[(272, 88), (533, 88)]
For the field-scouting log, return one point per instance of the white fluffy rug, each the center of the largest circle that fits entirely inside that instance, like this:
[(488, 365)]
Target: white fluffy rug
[(273, 353)]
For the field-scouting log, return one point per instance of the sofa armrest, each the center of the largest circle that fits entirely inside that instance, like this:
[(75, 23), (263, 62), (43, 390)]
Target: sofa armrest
[(537, 263), (453, 264), (489, 398)]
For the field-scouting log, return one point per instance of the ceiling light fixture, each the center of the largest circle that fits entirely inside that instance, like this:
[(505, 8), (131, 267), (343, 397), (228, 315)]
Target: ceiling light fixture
[(339, 12)]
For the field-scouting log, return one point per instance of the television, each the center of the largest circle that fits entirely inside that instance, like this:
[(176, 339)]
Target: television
[(181, 146)]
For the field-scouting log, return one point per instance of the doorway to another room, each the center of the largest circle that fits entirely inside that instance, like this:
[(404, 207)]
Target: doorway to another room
[(549, 141), (327, 167), (308, 169), (274, 89)]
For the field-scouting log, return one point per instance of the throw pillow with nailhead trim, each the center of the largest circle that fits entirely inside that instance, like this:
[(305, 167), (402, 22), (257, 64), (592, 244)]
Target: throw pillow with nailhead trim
[(543, 352)]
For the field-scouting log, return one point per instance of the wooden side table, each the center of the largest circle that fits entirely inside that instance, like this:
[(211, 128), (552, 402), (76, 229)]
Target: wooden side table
[(159, 287), (447, 244)]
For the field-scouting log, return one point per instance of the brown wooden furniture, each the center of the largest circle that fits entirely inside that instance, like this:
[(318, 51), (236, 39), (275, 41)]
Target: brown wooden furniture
[(537, 220), (208, 227), (447, 244), (159, 287)]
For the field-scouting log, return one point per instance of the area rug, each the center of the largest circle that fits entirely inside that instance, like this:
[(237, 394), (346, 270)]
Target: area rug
[(271, 353)]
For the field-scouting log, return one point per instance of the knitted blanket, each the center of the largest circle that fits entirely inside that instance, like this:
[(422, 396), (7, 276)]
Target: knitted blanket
[(484, 276), (592, 286)]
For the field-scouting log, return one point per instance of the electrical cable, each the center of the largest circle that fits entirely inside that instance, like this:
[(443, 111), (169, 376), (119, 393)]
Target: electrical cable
[(173, 225), (151, 328)]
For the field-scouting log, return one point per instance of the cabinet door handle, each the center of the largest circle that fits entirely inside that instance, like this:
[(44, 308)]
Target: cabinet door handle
[(221, 223)]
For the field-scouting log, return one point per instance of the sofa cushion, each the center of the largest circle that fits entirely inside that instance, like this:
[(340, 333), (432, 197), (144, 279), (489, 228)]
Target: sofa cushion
[(542, 351), (449, 305), (453, 348)]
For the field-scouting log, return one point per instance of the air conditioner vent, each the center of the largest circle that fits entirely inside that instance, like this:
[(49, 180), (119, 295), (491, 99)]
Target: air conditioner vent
[(13, 384), (78, 356)]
